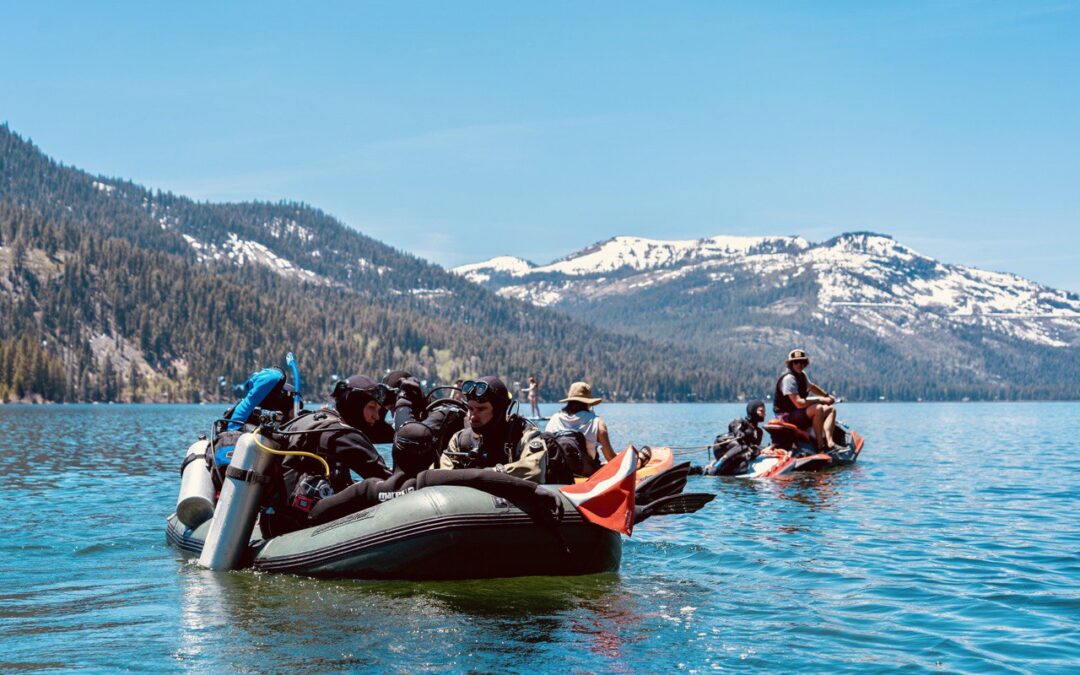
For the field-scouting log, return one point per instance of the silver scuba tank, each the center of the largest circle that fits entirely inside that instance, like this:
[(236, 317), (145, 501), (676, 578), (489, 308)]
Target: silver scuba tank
[(238, 505), (195, 505)]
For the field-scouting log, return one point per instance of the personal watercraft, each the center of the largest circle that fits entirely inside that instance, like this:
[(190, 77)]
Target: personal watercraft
[(803, 450), (792, 449)]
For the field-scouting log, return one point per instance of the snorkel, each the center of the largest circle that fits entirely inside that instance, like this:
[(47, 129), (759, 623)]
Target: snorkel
[(298, 401)]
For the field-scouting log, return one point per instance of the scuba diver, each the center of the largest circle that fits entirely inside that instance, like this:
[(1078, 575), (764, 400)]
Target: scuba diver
[(792, 406), (265, 390), (414, 452), (496, 438), (444, 416), (344, 437), (746, 429), (734, 451)]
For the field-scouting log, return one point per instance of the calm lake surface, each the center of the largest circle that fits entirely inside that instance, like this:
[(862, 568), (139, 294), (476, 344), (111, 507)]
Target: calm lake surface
[(954, 544)]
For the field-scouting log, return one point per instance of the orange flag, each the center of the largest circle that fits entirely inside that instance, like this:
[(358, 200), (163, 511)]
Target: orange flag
[(607, 498)]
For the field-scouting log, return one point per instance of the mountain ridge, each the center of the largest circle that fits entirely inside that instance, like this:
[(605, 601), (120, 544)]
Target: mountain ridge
[(862, 297), (111, 291)]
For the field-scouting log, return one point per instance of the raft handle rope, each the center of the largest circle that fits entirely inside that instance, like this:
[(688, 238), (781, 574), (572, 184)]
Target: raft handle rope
[(298, 453)]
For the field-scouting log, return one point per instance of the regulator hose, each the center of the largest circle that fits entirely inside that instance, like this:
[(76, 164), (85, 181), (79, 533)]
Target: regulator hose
[(298, 453)]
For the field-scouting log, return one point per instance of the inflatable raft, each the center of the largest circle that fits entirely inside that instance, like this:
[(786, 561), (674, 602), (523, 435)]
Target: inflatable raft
[(446, 532)]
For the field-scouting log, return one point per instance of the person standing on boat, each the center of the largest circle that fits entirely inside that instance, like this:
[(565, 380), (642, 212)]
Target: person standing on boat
[(791, 403), (532, 394), (577, 415), (496, 439)]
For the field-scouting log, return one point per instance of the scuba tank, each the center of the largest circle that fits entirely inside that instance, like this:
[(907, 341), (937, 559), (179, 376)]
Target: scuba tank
[(195, 505), (238, 506)]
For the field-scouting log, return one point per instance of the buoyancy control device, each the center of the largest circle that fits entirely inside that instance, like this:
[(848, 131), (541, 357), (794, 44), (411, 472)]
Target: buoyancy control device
[(195, 505)]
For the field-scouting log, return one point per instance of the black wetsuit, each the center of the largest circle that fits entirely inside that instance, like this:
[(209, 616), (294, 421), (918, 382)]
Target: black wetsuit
[(745, 431), (345, 449), (525, 494)]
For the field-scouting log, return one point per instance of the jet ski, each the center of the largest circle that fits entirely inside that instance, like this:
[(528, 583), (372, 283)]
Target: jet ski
[(803, 450), (792, 449)]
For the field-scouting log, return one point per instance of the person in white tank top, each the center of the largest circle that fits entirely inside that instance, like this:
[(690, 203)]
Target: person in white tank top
[(578, 416)]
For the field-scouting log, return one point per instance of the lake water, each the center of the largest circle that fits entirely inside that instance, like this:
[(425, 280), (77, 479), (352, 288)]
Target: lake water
[(954, 544)]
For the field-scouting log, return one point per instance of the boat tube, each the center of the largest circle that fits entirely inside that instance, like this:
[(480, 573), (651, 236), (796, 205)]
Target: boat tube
[(449, 532)]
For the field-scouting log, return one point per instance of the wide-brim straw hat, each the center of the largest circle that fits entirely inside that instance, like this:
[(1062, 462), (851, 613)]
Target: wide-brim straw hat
[(582, 392)]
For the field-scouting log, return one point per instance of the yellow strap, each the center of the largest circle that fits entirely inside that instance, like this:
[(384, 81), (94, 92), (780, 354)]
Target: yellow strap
[(298, 453)]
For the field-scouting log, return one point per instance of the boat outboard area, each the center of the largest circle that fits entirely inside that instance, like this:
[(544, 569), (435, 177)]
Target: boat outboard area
[(419, 523)]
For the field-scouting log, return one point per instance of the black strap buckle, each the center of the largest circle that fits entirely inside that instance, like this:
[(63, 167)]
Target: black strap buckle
[(247, 476)]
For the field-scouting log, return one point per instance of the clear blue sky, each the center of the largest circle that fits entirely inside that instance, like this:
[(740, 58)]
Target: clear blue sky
[(461, 130)]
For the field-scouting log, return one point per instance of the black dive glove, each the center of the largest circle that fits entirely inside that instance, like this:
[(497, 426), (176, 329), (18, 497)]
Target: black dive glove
[(410, 393)]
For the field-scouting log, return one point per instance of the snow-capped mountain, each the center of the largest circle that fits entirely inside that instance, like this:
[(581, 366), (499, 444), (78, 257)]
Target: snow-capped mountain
[(863, 300)]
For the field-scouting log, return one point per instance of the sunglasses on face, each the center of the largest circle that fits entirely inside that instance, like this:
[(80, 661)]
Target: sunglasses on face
[(474, 390), (381, 394)]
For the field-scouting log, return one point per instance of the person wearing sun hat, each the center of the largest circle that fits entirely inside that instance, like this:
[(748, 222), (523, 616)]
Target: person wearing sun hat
[(577, 415), (791, 403)]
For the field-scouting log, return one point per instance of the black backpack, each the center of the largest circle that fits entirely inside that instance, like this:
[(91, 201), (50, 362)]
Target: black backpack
[(445, 419), (568, 456), (731, 455)]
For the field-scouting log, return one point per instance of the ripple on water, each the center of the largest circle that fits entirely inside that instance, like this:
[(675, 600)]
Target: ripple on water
[(932, 553)]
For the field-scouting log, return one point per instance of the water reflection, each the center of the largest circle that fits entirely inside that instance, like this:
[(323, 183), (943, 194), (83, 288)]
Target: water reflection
[(340, 620)]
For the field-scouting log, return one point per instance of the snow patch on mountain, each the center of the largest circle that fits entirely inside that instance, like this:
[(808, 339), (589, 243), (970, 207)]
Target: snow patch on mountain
[(504, 264), (279, 226), (881, 284), (622, 254), (242, 252)]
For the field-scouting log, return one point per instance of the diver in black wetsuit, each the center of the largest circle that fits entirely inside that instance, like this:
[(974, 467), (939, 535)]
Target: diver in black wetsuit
[(344, 436), (746, 430), (415, 450), (733, 451)]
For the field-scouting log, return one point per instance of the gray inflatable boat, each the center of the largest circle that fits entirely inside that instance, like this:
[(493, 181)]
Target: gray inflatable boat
[(447, 532)]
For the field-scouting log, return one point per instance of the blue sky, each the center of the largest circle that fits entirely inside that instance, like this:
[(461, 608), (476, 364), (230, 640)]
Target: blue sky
[(462, 130)]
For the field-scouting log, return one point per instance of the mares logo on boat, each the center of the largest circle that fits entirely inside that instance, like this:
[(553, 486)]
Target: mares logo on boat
[(387, 496)]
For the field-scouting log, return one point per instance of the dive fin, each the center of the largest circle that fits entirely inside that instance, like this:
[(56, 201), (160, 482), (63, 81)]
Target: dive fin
[(673, 505), (664, 484)]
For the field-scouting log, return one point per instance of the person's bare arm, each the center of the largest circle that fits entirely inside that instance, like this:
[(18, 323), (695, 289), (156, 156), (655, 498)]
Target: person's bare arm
[(818, 391), (604, 440)]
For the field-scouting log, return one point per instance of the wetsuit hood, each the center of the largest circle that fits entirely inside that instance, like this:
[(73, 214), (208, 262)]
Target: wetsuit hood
[(414, 448), (752, 411), (394, 378), (499, 397), (350, 403)]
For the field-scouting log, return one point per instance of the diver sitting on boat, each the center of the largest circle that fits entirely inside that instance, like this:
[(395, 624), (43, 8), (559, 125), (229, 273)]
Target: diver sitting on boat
[(415, 449), (496, 438), (343, 436), (793, 405)]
